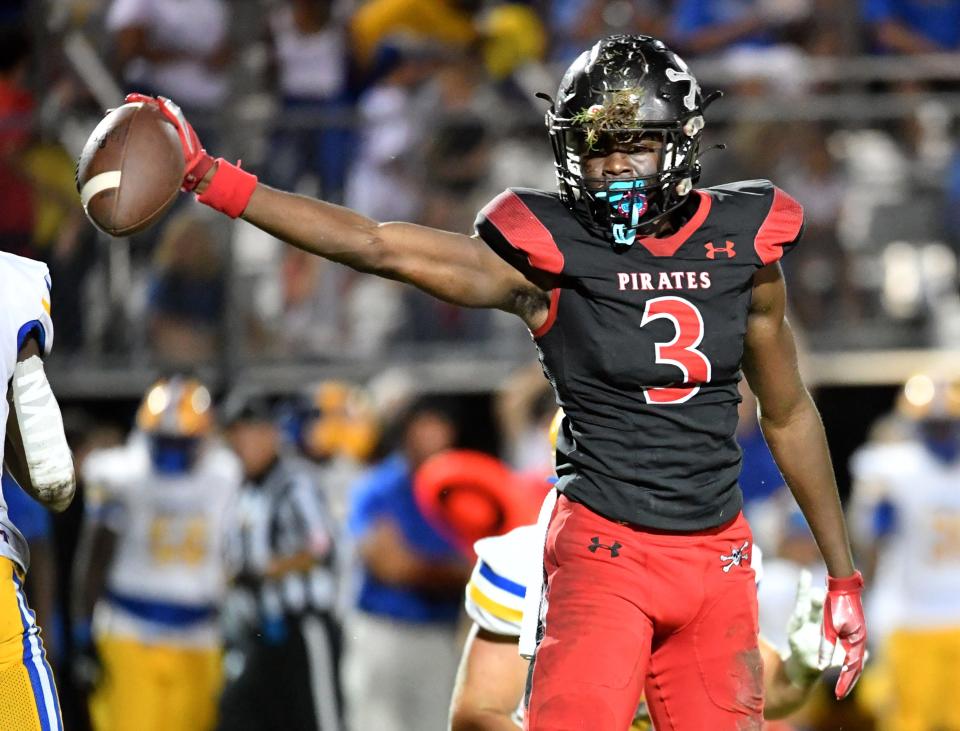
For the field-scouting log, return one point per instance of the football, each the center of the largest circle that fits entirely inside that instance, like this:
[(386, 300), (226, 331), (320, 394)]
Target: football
[(130, 170)]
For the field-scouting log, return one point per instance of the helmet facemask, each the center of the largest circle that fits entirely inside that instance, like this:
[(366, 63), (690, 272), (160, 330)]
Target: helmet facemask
[(624, 207)]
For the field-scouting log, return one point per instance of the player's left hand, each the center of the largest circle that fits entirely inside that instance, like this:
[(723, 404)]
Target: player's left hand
[(803, 665), (843, 622)]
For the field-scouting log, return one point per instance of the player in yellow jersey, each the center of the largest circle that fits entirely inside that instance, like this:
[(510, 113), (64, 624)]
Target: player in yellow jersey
[(34, 452), (150, 566), (906, 503)]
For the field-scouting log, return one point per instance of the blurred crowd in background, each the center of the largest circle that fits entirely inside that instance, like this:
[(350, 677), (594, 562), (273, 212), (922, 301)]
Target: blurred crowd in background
[(423, 110)]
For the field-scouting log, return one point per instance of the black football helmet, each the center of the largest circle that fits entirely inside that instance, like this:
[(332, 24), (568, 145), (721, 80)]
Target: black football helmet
[(624, 88)]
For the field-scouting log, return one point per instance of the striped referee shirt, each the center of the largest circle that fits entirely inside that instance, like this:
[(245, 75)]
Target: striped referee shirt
[(281, 515)]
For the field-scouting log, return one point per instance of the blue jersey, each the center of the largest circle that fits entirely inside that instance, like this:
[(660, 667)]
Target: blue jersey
[(693, 16), (936, 20), (386, 492)]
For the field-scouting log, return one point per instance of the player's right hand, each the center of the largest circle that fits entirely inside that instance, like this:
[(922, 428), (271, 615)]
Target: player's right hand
[(843, 622), (196, 160)]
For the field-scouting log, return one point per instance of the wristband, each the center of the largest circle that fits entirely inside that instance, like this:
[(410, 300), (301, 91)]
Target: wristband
[(230, 189), (850, 583)]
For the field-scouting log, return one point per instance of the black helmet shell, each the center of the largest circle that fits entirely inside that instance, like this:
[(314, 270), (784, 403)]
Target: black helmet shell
[(667, 91)]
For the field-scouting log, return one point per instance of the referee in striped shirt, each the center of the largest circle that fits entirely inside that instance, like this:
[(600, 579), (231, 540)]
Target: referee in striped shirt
[(283, 638)]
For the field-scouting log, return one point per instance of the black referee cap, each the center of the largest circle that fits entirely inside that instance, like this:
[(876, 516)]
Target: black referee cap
[(244, 405)]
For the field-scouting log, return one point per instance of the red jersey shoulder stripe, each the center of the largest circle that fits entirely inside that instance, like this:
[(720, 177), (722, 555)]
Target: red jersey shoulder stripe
[(524, 231), (781, 227)]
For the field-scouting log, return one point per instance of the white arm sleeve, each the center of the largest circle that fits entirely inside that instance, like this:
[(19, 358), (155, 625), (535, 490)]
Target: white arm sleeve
[(44, 442)]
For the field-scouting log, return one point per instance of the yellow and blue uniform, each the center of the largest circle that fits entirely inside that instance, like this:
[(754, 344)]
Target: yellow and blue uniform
[(28, 694), (497, 587), (156, 627), (909, 497)]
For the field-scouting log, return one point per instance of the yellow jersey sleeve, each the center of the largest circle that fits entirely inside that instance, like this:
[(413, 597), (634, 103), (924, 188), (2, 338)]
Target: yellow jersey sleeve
[(495, 594)]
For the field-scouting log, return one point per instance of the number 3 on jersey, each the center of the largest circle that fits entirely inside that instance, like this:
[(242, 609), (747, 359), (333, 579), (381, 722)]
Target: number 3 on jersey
[(680, 352)]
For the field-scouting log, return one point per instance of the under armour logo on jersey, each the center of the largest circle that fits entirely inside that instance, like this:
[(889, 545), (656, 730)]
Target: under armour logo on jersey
[(736, 557), (712, 250), (596, 545)]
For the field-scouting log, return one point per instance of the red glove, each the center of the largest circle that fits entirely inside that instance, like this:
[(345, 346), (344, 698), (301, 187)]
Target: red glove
[(230, 187), (843, 621)]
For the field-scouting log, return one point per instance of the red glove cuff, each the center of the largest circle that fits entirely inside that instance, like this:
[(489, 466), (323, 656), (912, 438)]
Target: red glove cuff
[(230, 189), (850, 583)]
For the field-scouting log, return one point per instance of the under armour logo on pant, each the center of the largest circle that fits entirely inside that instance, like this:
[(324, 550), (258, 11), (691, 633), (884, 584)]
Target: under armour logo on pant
[(595, 544), (712, 250)]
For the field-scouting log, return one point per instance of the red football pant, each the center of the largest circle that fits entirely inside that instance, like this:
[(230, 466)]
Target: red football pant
[(631, 611)]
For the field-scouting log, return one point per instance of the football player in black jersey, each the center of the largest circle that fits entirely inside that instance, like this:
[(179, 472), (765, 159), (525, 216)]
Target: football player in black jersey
[(647, 298)]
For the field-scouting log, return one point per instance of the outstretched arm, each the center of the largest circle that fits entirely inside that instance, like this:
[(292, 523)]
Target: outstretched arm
[(452, 267), (792, 428)]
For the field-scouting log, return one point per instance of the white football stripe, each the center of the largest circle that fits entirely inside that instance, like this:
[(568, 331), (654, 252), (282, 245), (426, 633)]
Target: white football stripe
[(98, 184)]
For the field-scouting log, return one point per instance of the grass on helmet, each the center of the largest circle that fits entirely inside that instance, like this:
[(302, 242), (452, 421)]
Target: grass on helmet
[(622, 111)]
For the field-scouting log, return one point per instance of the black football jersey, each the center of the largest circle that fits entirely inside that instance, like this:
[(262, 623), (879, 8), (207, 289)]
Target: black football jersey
[(643, 346)]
